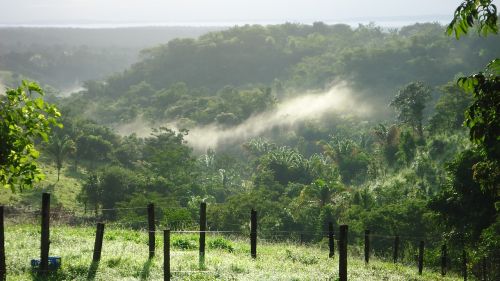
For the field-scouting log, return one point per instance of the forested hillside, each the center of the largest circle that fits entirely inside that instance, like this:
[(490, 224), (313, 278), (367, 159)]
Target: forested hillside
[(191, 78), (63, 58), (379, 144)]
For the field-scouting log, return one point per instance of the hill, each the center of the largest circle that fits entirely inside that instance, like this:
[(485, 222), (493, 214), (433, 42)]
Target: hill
[(66, 57), (217, 77)]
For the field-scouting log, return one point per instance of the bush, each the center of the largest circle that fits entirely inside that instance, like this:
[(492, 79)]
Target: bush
[(220, 243), (184, 243)]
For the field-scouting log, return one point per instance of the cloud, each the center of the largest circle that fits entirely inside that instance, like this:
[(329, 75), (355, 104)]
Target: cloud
[(338, 99), (309, 106)]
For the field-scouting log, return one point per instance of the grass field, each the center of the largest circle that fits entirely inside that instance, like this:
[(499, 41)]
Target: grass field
[(125, 251), (63, 192), (125, 257)]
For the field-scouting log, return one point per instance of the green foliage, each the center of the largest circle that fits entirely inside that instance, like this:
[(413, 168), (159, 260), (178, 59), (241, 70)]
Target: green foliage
[(220, 243), (474, 12), (24, 119), (108, 187), (482, 167), (241, 71), (488, 248), (59, 148), (465, 208), (92, 148), (449, 109), (301, 257), (482, 116), (351, 160), (129, 151), (91, 192), (388, 140), (363, 171), (406, 148), (167, 155), (287, 165), (184, 243), (410, 103)]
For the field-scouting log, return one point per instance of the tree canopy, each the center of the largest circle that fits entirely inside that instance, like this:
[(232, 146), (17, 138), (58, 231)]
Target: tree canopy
[(24, 118), (410, 104)]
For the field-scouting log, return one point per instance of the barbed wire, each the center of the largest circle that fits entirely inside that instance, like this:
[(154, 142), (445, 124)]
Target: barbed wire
[(71, 214), (200, 231), (193, 271)]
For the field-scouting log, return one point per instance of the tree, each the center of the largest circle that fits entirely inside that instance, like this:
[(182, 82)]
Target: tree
[(483, 121), (471, 12), (287, 165), (450, 108), (92, 148), (410, 103), (91, 192), (388, 140), (59, 148), (482, 116), (167, 155), (464, 207), (406, 147), (24, 118), (351, 161)]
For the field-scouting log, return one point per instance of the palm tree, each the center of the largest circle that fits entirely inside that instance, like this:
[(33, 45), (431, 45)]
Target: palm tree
[(59, 148)]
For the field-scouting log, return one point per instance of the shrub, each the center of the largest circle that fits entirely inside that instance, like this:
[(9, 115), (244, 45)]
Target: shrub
[(220, 243), (183, 243)]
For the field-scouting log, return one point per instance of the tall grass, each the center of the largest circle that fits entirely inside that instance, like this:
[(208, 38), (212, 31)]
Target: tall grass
[(125, 257)]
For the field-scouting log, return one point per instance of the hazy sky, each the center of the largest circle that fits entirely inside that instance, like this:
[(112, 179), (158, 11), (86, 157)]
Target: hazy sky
[(133, 11)]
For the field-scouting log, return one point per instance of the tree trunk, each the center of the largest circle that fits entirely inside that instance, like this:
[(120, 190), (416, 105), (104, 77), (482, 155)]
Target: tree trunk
[(420, 131)]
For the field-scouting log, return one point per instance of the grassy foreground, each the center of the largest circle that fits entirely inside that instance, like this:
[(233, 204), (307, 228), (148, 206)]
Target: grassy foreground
[(125, 257)]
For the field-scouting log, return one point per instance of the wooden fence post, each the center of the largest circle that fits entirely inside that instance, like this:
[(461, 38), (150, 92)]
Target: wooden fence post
[(367, 246), (331, 243), (253, 234), (44, 247), (343, 253), (421, 257), (99, 235), (203, 229), (464, 264), (151, 226), (396, 249), (166, 255), (3, 267), (444, 259)]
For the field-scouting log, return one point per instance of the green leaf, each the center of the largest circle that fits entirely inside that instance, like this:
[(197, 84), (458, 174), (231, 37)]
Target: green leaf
[(44, 136), (26, 119), (39, 103), (34, 153)]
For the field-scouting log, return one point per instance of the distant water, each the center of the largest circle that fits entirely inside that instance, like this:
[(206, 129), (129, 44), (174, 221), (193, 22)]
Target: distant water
[(382, 22)]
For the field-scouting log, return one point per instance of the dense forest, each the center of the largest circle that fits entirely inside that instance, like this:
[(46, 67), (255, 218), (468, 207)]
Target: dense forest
[(403, 166), (63, 58)]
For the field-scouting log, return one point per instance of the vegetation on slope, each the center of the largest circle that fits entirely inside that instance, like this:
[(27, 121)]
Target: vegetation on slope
[(412, 176)]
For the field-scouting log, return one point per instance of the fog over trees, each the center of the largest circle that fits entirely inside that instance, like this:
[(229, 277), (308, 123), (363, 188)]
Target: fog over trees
[(394, 130)]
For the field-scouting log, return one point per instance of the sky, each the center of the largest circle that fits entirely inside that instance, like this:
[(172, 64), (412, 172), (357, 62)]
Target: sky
[(19, 12)]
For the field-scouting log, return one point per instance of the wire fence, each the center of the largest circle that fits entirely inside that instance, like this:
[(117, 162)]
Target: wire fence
[(382, 245), (140, 222)]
